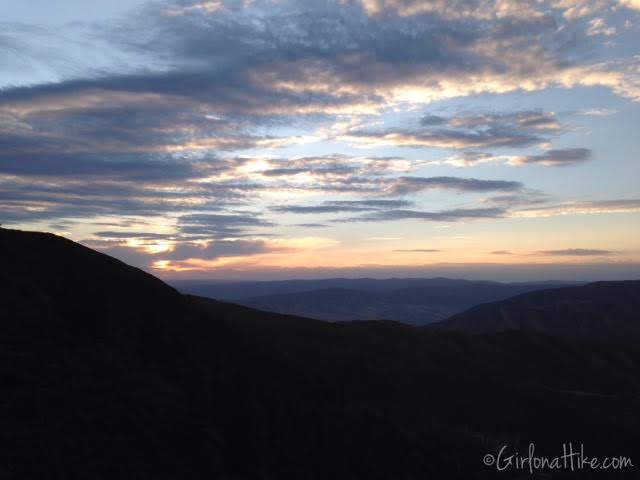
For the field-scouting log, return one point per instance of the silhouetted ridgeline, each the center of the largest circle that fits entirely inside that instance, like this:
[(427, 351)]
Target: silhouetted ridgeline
[(597, 312), (415, 301), (108, 373)]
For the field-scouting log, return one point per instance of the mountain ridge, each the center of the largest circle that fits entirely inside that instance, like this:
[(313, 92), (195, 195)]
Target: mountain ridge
[(412, 301), (597, 311), (109, 373)]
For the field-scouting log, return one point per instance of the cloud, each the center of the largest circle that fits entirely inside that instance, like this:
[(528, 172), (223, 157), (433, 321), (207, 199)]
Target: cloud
[(218, 249), (522, 120), (440, 216), (549, 158), (197, 255), (344, 206), (597, 112), (471, 158), (595, 207), (334, 166), (126, 234), (205, 7), (417, 250), (162, 168), (633, 4), (575, 252), (485, 130), (453, 8), (86, 186), (159, 138), (318, 209), (138, 190), (598, 26), (91, 121), (296, 58), (410, 185), (554, 158), (430, 120), (210, 225), (527, 198), (32, 54), (442, 138), (311, 225)]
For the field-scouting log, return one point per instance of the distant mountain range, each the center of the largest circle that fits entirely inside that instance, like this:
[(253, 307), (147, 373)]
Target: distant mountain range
[(108, 373), (408, 300), (601, 312)]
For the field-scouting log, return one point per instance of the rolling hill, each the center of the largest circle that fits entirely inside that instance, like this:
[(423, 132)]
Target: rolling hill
[(412, 301), (598, 312)]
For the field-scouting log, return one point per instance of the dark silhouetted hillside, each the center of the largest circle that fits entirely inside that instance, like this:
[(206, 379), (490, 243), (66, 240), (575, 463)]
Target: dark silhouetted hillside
[(601, 312), (107, 373)]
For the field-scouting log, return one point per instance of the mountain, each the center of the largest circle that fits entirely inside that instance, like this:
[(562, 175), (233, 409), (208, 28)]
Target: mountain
[(412, 301), (246, 289), (108, 373), (601, 311)]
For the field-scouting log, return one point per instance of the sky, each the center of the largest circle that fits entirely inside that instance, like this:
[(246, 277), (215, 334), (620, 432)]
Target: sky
[(250, 139)]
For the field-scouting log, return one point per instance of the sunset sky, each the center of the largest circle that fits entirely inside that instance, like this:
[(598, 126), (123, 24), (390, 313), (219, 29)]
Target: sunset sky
[(285, 139)]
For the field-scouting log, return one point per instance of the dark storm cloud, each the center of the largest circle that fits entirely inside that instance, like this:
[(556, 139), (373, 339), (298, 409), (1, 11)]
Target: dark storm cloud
[(409, 185)]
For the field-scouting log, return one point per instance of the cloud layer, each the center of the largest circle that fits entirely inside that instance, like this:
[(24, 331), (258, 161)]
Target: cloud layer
[(241, 118)]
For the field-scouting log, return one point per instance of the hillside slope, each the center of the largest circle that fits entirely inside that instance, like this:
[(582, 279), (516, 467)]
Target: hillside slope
[(601, 312)]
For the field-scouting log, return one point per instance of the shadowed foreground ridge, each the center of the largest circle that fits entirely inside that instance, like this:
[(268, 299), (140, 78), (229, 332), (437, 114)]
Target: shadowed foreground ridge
[(109, 373)]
